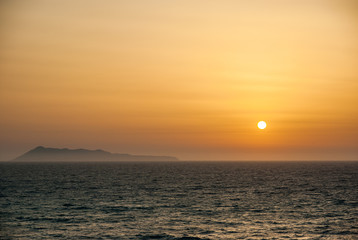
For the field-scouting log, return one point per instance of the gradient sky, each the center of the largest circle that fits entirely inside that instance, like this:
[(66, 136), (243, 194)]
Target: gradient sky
[(183, 78)]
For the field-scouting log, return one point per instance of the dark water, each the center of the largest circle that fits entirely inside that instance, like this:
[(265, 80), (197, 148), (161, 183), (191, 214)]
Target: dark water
[(179, 200)]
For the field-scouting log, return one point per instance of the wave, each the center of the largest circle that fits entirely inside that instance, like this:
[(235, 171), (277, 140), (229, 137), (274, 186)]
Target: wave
[(169, 237)]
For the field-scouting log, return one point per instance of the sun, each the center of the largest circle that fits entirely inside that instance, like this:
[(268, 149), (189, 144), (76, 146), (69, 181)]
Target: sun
[(261, 125)]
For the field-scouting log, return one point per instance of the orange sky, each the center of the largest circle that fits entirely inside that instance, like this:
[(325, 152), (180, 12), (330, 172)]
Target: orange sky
[(183, 78)]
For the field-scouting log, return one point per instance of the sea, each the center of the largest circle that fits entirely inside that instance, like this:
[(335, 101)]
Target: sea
[(179, 200)]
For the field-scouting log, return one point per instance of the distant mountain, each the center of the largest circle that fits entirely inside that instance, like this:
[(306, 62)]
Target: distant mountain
[(42, 154)]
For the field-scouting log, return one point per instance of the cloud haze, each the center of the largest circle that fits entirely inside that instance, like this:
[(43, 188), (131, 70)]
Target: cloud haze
[(183, 78)]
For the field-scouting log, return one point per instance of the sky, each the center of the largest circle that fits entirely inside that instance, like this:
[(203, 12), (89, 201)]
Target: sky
[(184, 78)]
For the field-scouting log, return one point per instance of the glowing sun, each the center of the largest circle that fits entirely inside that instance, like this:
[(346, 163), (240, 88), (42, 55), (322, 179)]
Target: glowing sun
[(261, 125)]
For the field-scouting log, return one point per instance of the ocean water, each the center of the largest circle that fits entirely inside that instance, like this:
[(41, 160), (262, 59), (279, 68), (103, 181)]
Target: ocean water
[(179, 200)]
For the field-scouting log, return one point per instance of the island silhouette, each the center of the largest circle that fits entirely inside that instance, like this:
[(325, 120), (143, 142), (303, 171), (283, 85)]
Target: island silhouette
[(44, 154)]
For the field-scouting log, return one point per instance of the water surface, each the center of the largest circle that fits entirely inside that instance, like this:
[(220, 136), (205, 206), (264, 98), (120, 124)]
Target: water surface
[(179, 200)]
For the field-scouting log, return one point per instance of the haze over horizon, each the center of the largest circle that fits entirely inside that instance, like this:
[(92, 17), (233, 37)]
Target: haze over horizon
[(189, 79)]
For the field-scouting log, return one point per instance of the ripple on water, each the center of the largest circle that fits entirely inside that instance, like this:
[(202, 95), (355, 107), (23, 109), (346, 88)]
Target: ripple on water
[(179, 201)]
